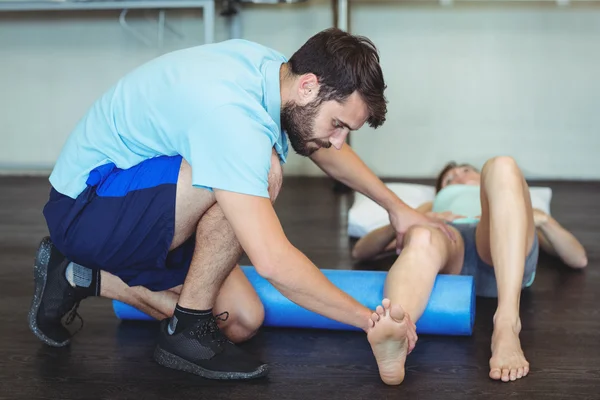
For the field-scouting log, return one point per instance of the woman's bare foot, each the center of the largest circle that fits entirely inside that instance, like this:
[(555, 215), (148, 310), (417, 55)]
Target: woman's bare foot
[(389, 339), (508, 362)]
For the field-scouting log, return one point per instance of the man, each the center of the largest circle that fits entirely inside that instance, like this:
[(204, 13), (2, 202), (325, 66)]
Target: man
[(172, 174)]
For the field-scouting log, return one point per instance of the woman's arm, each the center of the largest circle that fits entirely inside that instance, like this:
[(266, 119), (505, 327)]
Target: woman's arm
[(374, 243), (425, 207), (557, 241)]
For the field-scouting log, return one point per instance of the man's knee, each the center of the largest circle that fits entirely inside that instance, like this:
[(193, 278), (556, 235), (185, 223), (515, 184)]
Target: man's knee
[(245, 322), (191, 204), (275, 176)]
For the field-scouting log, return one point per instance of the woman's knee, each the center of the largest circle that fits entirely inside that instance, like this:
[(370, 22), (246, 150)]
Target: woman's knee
[(418, 235), (503, 165), (426, 240)]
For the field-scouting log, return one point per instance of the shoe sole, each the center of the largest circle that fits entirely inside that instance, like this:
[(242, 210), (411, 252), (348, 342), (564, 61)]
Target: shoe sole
[(172, 361), (40, 275)]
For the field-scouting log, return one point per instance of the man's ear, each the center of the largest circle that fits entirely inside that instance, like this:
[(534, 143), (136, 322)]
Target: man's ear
[(308, 88)]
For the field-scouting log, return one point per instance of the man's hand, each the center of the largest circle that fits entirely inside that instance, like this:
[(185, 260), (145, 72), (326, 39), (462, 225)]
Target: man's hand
[(404, 218)]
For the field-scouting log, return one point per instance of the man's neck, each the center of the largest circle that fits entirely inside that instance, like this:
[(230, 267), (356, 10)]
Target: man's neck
[(286, 83)]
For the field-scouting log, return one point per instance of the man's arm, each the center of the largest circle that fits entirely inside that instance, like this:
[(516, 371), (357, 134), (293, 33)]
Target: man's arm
[(345, 166), (259, 231), (425, 207)]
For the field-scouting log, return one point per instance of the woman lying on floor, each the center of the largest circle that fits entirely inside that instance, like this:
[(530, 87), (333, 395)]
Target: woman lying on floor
[(498, 235)]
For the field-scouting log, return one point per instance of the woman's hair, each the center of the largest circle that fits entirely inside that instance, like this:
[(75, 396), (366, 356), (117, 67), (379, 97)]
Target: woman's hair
[(448, 167)]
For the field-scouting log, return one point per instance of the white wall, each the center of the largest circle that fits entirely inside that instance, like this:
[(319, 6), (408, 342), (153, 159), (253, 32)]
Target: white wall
[(464, 83), (54, 65), (470, 83)]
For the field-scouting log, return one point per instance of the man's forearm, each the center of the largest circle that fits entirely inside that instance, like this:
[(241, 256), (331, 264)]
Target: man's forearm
[(260, 234), (345, 166), (303, 283)]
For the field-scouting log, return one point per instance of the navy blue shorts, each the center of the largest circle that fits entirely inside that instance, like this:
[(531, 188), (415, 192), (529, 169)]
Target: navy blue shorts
[(123, 223)]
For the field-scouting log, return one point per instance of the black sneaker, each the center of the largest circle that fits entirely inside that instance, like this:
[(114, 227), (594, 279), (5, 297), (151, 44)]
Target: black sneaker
[(204, 350), (53, 298)]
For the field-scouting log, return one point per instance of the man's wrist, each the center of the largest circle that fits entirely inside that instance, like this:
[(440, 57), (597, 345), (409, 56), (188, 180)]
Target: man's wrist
[(395, 205), (365, 318)]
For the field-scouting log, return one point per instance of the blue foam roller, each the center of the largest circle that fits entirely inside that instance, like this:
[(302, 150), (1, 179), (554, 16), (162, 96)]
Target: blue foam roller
[(450, 310)]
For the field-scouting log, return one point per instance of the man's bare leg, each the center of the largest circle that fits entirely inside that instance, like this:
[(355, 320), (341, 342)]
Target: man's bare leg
[(215, 254), (504, 237), (216, 251), (240, 300), (196, 211), (237, 297), (234, 293), (191, 340), (247, 313), (427, 252)]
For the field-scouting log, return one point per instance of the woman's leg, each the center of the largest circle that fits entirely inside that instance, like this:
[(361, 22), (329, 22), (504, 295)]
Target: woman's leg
[(427, 251), (504, 238)]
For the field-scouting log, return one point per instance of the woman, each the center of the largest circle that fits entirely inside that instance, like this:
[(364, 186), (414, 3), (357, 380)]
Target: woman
[(498, 235)]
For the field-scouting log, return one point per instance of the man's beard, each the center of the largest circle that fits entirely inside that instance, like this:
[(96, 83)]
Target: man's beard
[(299, 124)]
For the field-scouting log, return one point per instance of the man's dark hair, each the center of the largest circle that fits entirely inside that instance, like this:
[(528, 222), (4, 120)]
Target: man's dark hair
[(343, 64)]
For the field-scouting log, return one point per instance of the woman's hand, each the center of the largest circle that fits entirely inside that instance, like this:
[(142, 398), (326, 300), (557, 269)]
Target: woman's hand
[(540, 218), (447, 216)]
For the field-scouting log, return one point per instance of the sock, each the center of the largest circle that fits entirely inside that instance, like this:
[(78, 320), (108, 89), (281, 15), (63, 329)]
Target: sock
[(184, 317), (85, 278)]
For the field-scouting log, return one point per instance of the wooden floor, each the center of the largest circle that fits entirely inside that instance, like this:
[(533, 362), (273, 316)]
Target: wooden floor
[(112, 360)]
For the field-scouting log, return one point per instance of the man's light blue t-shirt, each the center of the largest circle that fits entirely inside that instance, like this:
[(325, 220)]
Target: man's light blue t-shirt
[(218, 106)]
